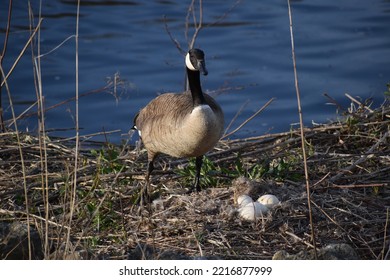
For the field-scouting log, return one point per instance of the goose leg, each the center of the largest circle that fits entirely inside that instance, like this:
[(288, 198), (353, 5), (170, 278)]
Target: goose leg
[(145, 193), (198, 165)]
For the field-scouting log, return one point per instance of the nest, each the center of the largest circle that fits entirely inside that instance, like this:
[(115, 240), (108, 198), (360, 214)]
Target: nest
[(348, 165)]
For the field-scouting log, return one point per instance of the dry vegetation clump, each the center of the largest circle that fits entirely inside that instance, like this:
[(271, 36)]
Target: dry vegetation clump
[(349, 164)]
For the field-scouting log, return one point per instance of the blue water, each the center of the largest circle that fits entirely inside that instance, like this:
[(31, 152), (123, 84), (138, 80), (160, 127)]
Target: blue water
[(341, 47)]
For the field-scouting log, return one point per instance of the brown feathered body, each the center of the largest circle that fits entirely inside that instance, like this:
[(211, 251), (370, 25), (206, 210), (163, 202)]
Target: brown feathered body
[(172, 125)]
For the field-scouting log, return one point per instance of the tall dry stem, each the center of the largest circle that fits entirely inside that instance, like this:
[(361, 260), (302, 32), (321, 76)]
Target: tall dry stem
[(22, 52), (41, 126), (77, 139), (302, 131), (3, 79), (22, 163), (2, 127)]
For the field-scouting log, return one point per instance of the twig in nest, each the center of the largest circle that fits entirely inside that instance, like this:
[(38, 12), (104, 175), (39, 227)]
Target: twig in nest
[(197, 243), (360, 185), (384, 257), (360, 160), (334, 102), (328, 216), (300, 239), (359, 103), (13, 213), (321, 180)]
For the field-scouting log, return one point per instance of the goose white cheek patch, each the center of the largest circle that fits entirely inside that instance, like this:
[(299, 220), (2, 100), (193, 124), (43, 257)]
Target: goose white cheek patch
[(139, 131), (188, 63)]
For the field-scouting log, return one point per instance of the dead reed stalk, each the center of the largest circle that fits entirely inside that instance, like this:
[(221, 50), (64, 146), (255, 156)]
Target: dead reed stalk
[(73, 196), (2, 55), (41, 125), (21, 161), (303, 139)]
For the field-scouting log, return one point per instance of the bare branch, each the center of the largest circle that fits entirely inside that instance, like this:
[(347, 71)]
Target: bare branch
[(198, 26), (175, 42), (225, 14)]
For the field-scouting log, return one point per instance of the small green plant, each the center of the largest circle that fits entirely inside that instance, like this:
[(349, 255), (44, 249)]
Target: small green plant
[(93, 241), (255, 171), (103, 217), (108, 159), (283, 168), (278, 168), (208, 172), (212, 174)]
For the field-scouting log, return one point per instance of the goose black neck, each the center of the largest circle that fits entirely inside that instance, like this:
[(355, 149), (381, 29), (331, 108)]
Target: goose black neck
[(195, 88)]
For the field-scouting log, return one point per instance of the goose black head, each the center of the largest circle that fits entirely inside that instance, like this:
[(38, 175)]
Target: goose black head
[(195, 61)]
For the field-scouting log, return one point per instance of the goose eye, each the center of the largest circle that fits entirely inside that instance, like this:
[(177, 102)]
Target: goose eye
[(194, 62)]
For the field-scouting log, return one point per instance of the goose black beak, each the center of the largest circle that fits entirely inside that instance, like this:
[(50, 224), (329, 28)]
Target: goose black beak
[(202, 67)]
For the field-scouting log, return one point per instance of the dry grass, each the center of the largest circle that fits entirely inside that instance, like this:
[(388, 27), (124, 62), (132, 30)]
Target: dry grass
[(348, 161)]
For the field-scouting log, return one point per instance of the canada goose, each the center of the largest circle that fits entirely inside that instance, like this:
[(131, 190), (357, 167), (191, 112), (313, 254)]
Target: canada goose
[(188, 124)]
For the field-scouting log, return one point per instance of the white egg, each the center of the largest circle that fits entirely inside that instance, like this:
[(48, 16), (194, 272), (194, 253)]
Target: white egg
[(268, 200), (243, 200), (252, 211)]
